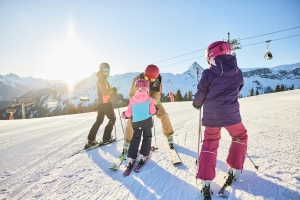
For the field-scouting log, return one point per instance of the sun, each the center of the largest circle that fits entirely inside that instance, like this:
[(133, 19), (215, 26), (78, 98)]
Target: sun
[(70, 59)]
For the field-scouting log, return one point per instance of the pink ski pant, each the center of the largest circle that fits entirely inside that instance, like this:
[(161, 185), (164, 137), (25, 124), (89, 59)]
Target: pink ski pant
[(208, 154)]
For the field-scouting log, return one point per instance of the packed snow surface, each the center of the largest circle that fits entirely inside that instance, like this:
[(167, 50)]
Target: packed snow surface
[(35, 162)]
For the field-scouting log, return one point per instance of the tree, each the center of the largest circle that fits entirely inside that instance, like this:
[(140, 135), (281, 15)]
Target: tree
[(190, 96), (178, 96), (165, 98), (80, 109), (256, 93), (251, 92), (185, 98), (292, 87), (277, 88), (282, 88), (268, 90)]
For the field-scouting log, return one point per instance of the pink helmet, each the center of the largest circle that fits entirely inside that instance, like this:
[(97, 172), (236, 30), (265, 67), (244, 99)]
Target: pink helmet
[(141, 85), (217, 48)]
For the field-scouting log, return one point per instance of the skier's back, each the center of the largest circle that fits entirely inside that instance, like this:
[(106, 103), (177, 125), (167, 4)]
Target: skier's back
[(218, 92)]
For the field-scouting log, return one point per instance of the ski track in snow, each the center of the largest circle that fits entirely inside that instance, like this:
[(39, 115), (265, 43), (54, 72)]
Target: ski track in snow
[(35, 162)]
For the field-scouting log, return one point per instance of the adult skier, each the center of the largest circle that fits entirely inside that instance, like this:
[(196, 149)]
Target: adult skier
[(141, 108), (105, 107), (151, 74), (218, 91)]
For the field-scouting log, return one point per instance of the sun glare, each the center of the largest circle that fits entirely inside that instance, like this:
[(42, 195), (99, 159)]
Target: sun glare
[(69, 59)]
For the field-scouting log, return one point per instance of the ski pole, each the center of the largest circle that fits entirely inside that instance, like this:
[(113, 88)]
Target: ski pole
[(199, 137), (256, 167), (124, 139), (119, 113), (154, 131), (115, 132)]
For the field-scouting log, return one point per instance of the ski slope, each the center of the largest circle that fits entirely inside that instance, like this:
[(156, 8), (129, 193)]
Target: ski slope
[(35, 162)]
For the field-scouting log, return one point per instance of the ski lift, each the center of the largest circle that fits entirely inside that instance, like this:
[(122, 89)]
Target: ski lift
[(268, 55), (51, 104), (84, 97)]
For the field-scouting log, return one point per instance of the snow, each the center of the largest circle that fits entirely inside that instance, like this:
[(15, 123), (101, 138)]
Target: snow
[(35, 162)]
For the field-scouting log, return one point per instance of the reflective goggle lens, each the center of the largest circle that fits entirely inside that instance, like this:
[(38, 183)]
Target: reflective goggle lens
[(151, 79), (105, 70)]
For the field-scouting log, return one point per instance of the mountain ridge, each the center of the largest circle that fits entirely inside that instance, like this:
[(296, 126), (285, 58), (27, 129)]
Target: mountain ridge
[(262, 79)]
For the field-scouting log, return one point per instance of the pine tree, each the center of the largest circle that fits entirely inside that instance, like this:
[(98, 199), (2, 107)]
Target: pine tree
[(185, 96), (251, 92), (190, 96), (292, 87), (277, 89), (178, 96), (256, 93), (282, 88)]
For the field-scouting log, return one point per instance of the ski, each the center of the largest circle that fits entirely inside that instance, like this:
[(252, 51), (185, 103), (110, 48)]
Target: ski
[(128, 169), (91, 148), (224, 191), (139, 167), (116, 164), (174, 155)]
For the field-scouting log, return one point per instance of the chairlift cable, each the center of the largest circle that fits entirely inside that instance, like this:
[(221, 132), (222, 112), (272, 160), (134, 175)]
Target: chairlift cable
[(170, 58), (270, 33), (270, 40), (205, 48)]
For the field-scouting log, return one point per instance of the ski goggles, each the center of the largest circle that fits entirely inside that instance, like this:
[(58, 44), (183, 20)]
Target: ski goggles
[(149, 79), (105, 70)]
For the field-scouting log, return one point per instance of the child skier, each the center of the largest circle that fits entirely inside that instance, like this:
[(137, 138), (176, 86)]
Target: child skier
[(141, 108), (152, 75), (218, 91)]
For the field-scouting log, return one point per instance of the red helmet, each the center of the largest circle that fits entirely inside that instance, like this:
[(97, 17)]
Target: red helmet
[(141, 84), (151, 71), (217, 48)]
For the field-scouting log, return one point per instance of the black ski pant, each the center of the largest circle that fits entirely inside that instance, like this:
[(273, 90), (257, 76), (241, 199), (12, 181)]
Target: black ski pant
[(135, 142), (108, 110)]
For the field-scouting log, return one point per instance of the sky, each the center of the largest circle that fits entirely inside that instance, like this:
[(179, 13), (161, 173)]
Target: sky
[(67, 40), (35, 162)]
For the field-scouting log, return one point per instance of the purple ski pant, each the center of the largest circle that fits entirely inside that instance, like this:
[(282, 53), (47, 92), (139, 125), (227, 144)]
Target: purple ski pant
[(208, 154)]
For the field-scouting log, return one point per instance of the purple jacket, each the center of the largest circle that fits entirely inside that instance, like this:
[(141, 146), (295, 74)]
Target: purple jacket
[(218, 90)]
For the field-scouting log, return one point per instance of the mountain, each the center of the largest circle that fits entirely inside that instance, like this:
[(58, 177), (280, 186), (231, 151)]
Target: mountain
[(262, 79), (12, 85), (35, 162)]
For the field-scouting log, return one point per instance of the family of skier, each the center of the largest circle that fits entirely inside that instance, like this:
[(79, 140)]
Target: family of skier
[(217, 96)]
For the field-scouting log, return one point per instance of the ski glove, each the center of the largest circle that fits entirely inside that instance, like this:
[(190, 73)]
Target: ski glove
[(124, 116), (197, 107), (156, 110), (114, 90)]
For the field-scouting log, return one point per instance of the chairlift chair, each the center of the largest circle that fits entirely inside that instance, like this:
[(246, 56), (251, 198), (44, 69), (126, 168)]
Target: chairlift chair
[(51, 104), (268, 55), (84, 97)]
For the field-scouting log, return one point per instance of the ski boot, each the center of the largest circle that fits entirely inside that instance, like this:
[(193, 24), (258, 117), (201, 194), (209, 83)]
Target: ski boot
[(206, 192), (231, 178), (90, 143), (142, 160), (103, 142), (130, 164)]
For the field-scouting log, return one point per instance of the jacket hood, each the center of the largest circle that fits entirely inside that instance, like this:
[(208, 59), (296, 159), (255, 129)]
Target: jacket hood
[(226, 66), (140, 97)]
